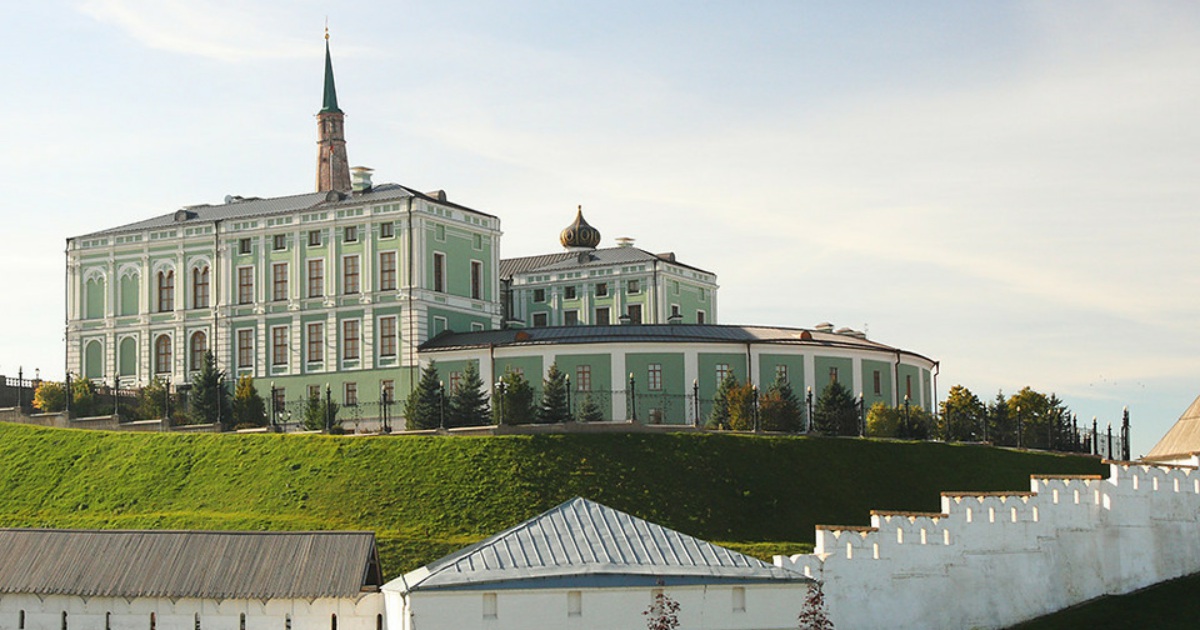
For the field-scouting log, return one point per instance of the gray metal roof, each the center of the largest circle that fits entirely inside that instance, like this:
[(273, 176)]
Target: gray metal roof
[(584, 539), (241, 208), (566, 261), (1182, 439), (202, 564), (652, 333)]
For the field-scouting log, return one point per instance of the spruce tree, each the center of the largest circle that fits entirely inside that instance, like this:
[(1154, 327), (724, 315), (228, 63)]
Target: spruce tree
[(553, 409), (210, 401), (835, 412), (718, 418), (468, 405), (423, 409), (514, 402), (318, 413), (589, 411), (779, 408), (248, 407)]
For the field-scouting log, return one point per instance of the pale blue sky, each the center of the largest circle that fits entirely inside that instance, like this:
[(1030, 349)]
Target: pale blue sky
[(1010, 188)]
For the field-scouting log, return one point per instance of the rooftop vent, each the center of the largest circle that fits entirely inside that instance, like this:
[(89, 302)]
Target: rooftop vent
[(360, 179), (624, 241), (440, 195), (824, 327), (184, 214), (669, 256), (234, 198)]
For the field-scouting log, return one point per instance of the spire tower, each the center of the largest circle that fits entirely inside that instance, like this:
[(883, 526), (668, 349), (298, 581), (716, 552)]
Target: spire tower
[(333, 168)]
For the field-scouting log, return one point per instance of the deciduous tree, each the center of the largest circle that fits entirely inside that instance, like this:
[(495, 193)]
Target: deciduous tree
[(248, 407)]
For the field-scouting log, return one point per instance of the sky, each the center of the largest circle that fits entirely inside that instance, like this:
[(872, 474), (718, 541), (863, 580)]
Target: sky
[(1009, 188)]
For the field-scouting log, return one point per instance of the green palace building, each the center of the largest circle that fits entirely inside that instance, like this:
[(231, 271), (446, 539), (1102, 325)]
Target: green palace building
[(356, 285)]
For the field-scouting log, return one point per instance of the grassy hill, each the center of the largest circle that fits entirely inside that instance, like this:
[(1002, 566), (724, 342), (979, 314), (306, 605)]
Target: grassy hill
[(426, 496)]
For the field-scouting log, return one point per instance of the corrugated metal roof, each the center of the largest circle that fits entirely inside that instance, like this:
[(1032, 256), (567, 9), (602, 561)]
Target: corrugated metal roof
[(582, 538), (651, 333), (1182, 439), (241, 208), (565, 261), (202, 564)]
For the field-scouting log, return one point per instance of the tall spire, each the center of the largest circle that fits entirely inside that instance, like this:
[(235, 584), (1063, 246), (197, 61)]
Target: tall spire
[(333, 167)]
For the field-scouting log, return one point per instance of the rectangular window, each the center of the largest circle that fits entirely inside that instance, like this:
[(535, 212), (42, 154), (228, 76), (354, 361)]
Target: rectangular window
[(245, 347), (781, 373), (278, 242), (675, 315), (244, 246), (476, 280), (699, 317), (314, 391), (568, 293), (350, 339), (316, 278), (200, 287), (314, 238), (478, 241), (439, 272), (387, 270), (654, 377), (539, 319), (570, 318), (602, 318), (316, 342), (387, 391), (166, 291), (279, 345), (489, 606), (675, 287), (635, 313), (583, 378), (387, 336), (878, 382), (351, 233), (723, 372), (539, 295), (739, 599), (833, 375), (601, 289), (574, 603), (245, 285), (351, 395), (349, 274), (279, 281), (439, 232), (634, 286), (280, 394), (387, 230)]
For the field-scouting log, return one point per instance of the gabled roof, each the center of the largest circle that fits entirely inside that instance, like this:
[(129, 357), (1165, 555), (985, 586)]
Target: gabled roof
[(1182, 439), (201, 564), (565, 261), (242, 208), (584, 539)]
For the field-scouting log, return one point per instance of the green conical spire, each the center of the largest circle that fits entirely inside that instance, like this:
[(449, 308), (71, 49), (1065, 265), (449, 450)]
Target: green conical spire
[(330, 102)]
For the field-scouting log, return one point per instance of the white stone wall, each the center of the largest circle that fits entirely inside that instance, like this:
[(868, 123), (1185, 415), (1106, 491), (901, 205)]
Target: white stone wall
[(993, 559), (45, 612), (767, 607)]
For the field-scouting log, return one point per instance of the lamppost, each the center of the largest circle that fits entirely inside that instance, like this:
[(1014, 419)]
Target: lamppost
[(117, 396), (1020, 428), (442, 404), (570, 411), (1109, 454), (385, 400), (1125, 434), (274, 408), (632, 399), (1095, 437), (68, 403), (20, 385), (499, 402), (861, 403), (328, 408), (756, 424), (808, 421), (907, 427), (167, 403)]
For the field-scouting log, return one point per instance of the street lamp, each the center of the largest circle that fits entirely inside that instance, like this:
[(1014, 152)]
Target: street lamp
[(907, 427), (696, 401), (755, 390), (116, 396), (442, 404), (499, 402), (808, 424), (385, 400), (274, 408), (1020, 428), (632, 399), (328, 408), (862, 415), (570, 411)]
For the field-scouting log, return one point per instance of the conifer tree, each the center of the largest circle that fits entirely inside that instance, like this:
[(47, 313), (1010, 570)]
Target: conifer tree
[(718, 418), (423, 409), (319, 412), (835, 412), (589, 411), (553, 409), (514, 401), (779, 408), (248, 406), (468, 406), (210, 401)]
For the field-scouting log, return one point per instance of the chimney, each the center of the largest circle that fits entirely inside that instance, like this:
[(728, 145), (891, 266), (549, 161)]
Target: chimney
[(624, 241), (360, 179)]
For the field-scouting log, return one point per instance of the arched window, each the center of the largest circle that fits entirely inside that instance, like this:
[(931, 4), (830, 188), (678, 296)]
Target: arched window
[(197, 621), (199, 347), (153, 622), (200, 287), (64, 620), (107, 621), (287, 622), (333, 621), (166, 291), (379, 621), (21, 621), (242, 622), (162, 354)]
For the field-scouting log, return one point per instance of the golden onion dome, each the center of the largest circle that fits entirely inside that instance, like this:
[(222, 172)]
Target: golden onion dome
[(579, 235)]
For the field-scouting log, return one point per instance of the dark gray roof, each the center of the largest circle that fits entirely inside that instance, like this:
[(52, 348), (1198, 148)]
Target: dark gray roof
[(565, 261), (241, 208), (202, 564), (651, 333), (582, 539)]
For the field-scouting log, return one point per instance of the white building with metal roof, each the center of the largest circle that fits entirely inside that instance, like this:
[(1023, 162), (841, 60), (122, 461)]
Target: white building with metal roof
[(585, 565)]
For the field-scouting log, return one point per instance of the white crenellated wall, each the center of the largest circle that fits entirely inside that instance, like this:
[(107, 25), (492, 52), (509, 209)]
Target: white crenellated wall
[(992, 559)]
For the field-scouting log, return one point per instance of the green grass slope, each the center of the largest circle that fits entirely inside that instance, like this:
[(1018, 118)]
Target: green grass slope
[(1170, 605), (426, 496)]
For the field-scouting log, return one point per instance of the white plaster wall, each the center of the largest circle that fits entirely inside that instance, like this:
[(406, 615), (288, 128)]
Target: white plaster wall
[(992, 559), (101, 613), (768, 607)]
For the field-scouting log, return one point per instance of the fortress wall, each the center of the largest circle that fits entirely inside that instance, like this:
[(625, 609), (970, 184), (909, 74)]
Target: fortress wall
[(992, 559)]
